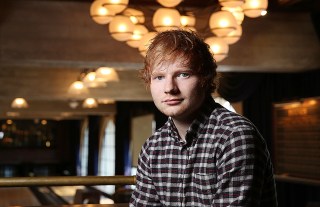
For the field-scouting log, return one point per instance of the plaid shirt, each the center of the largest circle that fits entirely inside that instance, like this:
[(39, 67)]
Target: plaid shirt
[(224, 162)]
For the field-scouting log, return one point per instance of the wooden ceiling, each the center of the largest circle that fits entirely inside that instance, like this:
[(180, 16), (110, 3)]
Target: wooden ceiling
[(44, 46)]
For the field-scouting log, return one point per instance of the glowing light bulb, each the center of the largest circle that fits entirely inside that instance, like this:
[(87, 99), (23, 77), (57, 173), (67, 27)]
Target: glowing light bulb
[(167, 21), (223, 23)]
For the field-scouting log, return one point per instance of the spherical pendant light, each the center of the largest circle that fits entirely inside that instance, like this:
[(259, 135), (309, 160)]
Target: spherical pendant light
[(138, 32), (99, 13), (231, 3), (91, 81), (222, 22), (169, 3), (237, 13), (121, 28), (136, 16), (145, 42), (188, 22), (78, 88), (90, 103), (116, 6), (233, 36), (19, 103), (106, 74), (166, 19), (254, 8), (218, 47)]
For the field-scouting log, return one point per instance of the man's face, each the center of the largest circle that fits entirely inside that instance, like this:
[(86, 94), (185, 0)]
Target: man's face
[(176, 90)]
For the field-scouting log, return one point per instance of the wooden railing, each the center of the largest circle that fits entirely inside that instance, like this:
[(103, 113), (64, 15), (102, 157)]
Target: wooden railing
[(66, 181)]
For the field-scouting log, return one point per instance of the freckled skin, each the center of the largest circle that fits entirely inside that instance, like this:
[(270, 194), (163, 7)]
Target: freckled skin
[(176, 91)]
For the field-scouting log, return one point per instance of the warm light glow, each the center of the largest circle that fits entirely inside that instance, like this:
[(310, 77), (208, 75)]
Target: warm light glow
[(255, 8), (90, 76), (188, 22), (128, 26), (91, 81), (106, 74), (99, 13), (138, 32), (233, 36), (19, 103), (78, 87), (311, 102), (73, 104), (12, 114), (264, 13), (116, 6), (184, 21), (231, 3), (166, 19), (219, 48), (121, 28), (44, 122), (237, 13), (222, 22), (9, 122), (145, 42), (106, 101), (169, 3), (90, 103), (136, 16)]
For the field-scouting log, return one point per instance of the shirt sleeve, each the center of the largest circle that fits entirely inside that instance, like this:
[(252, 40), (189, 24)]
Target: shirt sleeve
[(241, 165), (144, 193)]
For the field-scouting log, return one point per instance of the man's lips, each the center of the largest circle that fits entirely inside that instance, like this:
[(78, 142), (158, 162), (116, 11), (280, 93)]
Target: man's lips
[(173, 101)]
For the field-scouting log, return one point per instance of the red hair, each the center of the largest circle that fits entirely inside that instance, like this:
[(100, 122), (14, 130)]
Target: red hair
[(167, 46)]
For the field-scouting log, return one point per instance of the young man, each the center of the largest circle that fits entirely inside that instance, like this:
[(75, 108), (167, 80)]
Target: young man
[(204, 155)]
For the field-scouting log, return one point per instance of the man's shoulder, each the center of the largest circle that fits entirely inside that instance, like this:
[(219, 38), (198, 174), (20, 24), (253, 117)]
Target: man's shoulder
[(229, 119), (159, 134)]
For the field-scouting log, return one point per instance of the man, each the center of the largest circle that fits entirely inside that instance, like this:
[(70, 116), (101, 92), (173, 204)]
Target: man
[(204, 155)]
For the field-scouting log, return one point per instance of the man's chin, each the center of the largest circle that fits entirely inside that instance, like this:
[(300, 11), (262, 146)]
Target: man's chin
[(171, 114)]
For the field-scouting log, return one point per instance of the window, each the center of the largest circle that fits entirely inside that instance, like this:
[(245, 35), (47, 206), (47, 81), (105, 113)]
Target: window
[(107, 154), (84, 148)]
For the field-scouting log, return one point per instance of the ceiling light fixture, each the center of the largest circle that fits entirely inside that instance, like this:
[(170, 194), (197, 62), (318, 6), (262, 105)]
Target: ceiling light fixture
[(90, 80), (19, 103), (169, 3), (93, 79), (90, 103), (106, 74), (224, 22), (218, 47), (78, 88), (255, 8)]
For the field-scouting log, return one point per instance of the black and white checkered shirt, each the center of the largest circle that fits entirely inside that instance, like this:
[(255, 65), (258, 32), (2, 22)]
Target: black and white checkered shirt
[(224, 162)]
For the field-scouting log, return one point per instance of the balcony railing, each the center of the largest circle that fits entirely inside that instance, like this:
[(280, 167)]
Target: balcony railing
[(67, 181)]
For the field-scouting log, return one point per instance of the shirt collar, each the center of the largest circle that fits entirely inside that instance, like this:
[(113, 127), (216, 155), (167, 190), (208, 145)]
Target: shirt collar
[(198, 124)]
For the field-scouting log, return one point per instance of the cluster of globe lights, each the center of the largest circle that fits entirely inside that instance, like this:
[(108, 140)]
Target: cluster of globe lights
[(127, 24)]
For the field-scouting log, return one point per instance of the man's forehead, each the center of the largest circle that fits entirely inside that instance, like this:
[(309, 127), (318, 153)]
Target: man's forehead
[(164, 65), (166, 61)]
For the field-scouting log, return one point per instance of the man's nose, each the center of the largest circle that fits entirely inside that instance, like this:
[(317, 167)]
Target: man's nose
[(170, 86)]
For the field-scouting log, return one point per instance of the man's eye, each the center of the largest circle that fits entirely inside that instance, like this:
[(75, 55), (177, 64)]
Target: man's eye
[(184, 75), (159, 77)]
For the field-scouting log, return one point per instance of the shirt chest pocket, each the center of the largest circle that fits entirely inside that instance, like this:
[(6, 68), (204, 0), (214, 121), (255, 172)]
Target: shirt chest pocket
[(204, 181)]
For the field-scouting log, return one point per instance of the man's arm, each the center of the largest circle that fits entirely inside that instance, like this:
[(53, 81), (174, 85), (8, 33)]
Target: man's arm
[(241, 169)]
